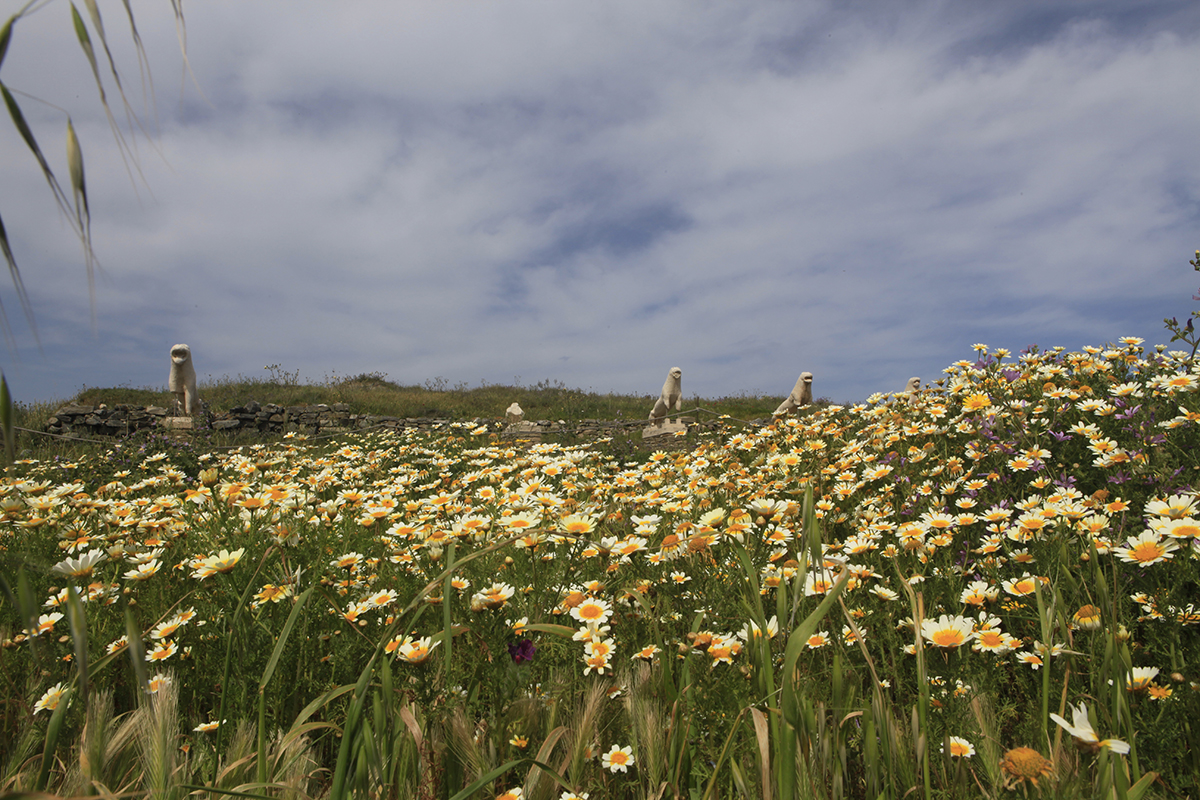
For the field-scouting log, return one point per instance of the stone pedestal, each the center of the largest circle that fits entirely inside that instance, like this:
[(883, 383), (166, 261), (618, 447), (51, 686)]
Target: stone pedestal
[(663, 428), (525, 432), (176, 423)]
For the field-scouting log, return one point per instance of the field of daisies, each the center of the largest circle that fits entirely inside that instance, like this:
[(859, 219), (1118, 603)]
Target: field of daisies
[(987, 589)]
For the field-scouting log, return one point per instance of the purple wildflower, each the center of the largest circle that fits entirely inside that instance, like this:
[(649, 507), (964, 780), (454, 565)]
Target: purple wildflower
[(522, 650)]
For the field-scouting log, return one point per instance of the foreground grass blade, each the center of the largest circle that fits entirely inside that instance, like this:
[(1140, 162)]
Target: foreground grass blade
[(281, 643), (6, 37), (484, 780), (137, 653), (226, 792), (6, 422), (785, 761), (543, 755), (15, 275), (447, 625), (14, 111), (340, 789), (78, 624), (51, 744), (83, 216), (762, 735)]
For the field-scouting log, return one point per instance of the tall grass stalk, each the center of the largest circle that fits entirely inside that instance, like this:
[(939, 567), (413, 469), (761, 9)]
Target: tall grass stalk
[(921, 710), (539, 782), (53, 730), (91, 752), (158, 724), (268, 672), (447, 621), (585, 719), (648, 722), (7, 422), (231, 633), (352, 741), (788, 744), (988, 748)]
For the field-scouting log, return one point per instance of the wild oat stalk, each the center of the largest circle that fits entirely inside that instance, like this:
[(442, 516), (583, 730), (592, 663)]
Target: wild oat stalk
[(91, 751), (989, 749), (648, 721), (156, 730), (583, 728)]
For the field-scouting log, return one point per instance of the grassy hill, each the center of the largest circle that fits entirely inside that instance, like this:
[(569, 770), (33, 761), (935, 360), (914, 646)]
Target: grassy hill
[(373, 393)]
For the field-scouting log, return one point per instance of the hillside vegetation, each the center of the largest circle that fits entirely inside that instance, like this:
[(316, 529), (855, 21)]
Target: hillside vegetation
[(373, 393)]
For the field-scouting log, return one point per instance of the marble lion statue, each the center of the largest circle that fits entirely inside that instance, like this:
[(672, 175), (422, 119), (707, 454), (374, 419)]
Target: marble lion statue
[(801, 395), (913, 389), (182, 380), (671, 397)]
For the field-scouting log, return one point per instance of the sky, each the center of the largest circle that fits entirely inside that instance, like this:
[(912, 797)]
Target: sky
[(593, 193)]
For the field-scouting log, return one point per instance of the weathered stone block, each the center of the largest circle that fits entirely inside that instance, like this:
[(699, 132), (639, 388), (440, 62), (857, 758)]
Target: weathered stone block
[(75, 410)]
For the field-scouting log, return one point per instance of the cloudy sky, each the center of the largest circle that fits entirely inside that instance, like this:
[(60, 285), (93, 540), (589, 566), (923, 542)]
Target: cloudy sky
[(593, 193)]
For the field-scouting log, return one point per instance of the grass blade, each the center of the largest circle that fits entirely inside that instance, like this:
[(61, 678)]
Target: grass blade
[(761, 731), (277, 653), (52, 732), (549, 627), (484, 780), (6, 422), (339, 789), (78, 184), (15, 273), (77, 620), (228, 792), (137, 653), (447, 626), (785, 762), (6, 37), (712, 782), (14, 111), (543, 755), (131, 118)]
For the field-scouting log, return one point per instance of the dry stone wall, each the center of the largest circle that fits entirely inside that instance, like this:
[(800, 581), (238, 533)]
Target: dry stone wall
[(268, 418)]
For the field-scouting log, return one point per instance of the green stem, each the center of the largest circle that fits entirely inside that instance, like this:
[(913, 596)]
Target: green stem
[(923, 702), (447, 632), (262, 736), (229, 654)]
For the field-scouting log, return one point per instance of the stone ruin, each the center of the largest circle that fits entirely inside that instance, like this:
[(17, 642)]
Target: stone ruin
[(269, 419), (122, 419)]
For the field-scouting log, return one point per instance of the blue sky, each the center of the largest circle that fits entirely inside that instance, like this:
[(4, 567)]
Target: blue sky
[(594, 193)]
